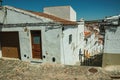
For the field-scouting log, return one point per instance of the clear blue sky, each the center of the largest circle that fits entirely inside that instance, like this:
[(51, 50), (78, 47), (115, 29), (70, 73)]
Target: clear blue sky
[(87, 9)]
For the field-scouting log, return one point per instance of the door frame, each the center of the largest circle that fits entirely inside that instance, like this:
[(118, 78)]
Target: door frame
[(40, 43)]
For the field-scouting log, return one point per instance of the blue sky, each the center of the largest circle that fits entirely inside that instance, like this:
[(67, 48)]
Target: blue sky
[(87, 9)]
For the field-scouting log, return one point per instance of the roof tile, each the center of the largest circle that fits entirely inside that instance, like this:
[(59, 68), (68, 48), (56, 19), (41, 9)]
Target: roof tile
[(54, 18)]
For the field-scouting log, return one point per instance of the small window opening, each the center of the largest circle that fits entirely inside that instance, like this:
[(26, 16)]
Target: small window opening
[(53, 59), (70, 38), (62, 28), (25, 55), (43, 56)]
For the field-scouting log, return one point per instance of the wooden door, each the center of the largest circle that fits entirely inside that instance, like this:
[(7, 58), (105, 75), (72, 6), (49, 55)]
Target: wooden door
[(36, 44), (10, 44)]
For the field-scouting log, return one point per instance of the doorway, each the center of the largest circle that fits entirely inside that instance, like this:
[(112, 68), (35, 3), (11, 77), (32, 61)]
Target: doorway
[(36, 44)]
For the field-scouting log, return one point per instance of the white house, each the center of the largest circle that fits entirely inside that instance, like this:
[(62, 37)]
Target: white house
[(111, 54), (39, 37), (91, 44), (93, 41)]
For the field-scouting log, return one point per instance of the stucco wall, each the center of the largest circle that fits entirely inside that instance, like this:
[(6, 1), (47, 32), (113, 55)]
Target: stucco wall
[(69, 49), (25, 45), (1, 15), (20, 16), (73, 14), (51, 45), (70, 52), (50, 36), (112, 40), (55, 43), (80, 42), (65, 12), (111, 54)]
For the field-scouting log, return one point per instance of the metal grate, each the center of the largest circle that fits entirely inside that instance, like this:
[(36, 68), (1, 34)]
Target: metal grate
[(95, 60)]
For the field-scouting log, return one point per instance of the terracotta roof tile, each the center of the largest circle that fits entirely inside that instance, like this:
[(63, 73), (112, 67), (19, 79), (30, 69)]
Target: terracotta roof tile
[(87, 34), (54, 18)]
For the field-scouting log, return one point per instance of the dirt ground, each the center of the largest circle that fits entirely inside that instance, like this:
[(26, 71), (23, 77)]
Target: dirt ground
[(19, 70)]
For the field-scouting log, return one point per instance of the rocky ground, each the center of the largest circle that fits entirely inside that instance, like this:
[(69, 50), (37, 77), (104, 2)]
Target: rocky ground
[(19, 70)]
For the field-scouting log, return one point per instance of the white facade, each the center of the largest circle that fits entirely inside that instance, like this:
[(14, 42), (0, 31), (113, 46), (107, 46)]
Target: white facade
[(77, 43), (92, 45), (112, 40), (111, 54), (55, 41), (64, 12), (112, 36)]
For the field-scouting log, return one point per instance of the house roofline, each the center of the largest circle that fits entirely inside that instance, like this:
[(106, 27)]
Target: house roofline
[(64, 22)]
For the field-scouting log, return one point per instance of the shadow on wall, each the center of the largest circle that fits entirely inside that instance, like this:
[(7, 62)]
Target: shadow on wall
[(95, 60), (113, 29), (1, 27)]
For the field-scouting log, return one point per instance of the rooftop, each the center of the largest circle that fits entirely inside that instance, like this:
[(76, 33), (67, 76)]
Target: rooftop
[(41, 14), (54, 18)]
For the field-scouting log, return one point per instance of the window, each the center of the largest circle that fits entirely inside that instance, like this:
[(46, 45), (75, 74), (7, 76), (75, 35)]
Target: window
[(70, 38), (36, 40)]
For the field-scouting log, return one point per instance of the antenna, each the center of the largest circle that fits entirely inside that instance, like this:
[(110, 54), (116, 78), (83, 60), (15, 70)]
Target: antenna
[(1, 2)]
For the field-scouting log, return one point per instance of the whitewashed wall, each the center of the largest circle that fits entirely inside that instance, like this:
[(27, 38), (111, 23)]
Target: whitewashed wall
[(1, 16), (70, 52), (91, 46), (64, 12), (112, 40), (55, 43), (69, 49), (80, 42), (51, 45), (111, 54), (20, 17), (50, 37), (73, 14)]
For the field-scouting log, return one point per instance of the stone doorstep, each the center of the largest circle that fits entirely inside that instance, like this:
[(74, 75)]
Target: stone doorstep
[(36, 61), (6, 58)]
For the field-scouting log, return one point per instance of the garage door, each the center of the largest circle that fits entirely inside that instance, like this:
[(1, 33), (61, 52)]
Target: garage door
[(10, 44)]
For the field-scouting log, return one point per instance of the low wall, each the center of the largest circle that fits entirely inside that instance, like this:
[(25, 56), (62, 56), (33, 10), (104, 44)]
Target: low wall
[(110, 59)]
